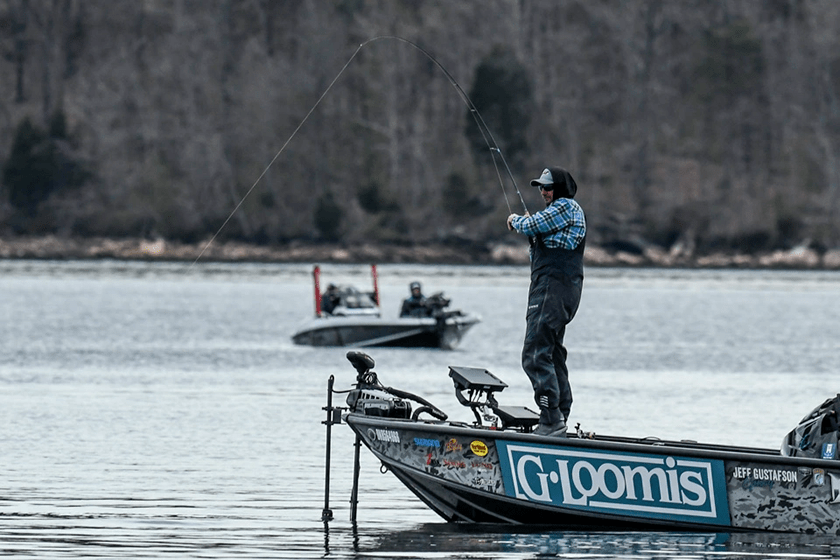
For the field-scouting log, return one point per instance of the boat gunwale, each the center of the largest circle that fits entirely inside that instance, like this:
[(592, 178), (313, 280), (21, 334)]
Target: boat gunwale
[(648, 445), (342, 320)]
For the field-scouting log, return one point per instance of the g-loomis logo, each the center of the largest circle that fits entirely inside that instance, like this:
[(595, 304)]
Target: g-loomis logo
[(632, 484)]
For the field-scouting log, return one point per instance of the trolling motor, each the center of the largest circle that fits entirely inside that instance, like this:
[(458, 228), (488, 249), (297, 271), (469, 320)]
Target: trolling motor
[(368, 398), (474, 388), (371, 398)]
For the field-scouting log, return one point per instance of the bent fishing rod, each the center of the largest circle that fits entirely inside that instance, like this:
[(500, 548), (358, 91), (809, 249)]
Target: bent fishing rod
[(486, 135)]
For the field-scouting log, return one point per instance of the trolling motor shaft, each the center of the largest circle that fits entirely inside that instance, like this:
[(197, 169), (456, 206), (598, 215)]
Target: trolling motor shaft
[(333, 417), (362, 363), (369, 398)]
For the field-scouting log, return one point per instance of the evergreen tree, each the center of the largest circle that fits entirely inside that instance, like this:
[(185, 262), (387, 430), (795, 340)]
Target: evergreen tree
[(39, 165), (328, 217), (28, 173), (502, 94)]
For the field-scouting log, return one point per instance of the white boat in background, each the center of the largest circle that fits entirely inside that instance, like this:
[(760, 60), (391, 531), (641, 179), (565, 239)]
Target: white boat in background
[(355, 319)]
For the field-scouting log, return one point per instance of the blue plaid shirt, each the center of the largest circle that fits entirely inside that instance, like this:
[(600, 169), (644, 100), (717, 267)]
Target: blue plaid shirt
[(562, 224)]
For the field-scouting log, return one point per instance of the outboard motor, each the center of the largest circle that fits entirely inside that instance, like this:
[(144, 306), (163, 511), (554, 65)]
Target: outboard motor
[(817, 434)]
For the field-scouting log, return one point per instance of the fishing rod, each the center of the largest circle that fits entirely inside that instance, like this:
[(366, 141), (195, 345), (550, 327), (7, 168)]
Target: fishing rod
[(486, 135)]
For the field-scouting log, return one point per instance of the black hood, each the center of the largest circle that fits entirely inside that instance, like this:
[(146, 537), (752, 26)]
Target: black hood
[(564, 184)]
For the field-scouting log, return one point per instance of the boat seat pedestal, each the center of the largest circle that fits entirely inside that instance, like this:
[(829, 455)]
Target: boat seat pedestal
[(517, 417)]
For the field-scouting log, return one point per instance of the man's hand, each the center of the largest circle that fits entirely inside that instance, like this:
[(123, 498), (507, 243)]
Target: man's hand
[(510, 219)]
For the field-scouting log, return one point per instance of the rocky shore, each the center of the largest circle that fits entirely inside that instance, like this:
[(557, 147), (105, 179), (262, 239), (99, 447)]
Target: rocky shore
[(53, 247)]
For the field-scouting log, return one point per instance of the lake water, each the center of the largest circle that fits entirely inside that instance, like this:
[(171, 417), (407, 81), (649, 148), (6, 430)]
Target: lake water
[(153, 410)]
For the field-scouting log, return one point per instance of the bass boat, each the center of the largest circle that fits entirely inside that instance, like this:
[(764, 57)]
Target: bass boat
[(495, 470), (354, 319)]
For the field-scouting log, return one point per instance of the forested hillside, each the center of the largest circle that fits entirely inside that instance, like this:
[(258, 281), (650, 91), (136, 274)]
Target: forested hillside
[(699, 124)]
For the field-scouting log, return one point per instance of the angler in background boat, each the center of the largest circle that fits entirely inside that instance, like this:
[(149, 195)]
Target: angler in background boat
[(558, 236), (347, 301), (330, 299), (415, 304), (419, 306)]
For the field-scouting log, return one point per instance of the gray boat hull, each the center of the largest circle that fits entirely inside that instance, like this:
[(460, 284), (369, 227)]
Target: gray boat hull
[(445, 332)]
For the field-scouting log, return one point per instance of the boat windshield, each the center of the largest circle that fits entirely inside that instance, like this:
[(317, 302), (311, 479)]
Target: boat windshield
[(351, 298)]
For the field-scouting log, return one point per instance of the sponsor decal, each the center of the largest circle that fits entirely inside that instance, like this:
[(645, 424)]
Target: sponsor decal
[(453, 445), (423, 442), (453, 464), (481, 482), (751, 484), (819, 477), (633, 484), (829, 450), (385, 435), (482, 465), (479, 448)]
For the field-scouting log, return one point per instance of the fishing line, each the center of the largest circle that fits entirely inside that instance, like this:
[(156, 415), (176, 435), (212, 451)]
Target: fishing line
[(486, 135)]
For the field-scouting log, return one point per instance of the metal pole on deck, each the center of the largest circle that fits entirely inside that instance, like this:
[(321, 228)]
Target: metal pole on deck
[(354, 495), (327, 514)]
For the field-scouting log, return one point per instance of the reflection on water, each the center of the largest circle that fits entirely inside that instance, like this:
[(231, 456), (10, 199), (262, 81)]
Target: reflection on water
[(160, 409), (482, 541)]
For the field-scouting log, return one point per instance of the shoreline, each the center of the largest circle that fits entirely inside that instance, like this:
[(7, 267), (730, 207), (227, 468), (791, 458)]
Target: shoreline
[(58, 248)]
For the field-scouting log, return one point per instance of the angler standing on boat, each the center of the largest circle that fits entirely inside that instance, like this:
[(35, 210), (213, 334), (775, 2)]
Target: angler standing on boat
[(558, 237)]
